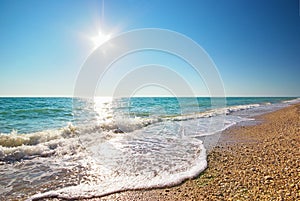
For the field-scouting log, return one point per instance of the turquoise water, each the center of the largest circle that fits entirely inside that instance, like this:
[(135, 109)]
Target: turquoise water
[(27, 115), (75, 148)]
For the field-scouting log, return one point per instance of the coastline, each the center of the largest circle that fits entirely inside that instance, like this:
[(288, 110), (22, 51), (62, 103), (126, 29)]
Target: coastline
[(254, 162)]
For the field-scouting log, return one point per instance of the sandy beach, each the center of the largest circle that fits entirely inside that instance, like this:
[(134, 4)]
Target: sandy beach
[(260, 162), (149, 100)]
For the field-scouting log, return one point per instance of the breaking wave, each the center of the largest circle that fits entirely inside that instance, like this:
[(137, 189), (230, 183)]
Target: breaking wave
[(130, 153), (16, 146)]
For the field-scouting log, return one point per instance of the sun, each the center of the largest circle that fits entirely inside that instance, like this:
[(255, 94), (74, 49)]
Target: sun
[(100, 38)]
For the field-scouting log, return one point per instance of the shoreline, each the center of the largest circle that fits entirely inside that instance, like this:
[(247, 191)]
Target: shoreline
[(252, 162)]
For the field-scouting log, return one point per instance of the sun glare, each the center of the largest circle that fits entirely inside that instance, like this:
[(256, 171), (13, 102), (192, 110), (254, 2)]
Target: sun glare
[(100, 39)]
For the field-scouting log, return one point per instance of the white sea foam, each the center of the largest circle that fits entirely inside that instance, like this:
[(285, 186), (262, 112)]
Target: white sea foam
[(152, 152), (121, 124), (157, 177), (16, 146), (163, 154), (296, 100), (214, 112)]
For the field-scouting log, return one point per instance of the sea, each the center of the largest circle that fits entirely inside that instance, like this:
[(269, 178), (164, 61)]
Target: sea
[(72, 148)]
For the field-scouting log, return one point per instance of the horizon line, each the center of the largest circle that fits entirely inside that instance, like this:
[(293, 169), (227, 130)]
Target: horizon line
[(157, 96)]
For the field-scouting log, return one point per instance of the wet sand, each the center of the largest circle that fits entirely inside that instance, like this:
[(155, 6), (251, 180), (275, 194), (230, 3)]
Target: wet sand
[(260, 162)]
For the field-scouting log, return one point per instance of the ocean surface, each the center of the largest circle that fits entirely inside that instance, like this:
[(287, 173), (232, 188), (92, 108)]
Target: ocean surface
[(84, 148)]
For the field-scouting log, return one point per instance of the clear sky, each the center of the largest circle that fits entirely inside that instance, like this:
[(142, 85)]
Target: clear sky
[(254, 44)]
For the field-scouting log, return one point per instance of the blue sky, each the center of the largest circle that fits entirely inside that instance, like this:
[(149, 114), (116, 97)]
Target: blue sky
[(254, 44)]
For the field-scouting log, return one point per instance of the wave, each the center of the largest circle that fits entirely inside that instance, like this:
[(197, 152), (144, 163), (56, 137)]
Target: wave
[(153, 152), (14, 146), (296, 100), (119, 125), (215, 112), (156, 172), (130, 182)]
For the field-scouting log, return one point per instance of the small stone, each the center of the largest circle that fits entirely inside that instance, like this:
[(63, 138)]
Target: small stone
[(268, 178)]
